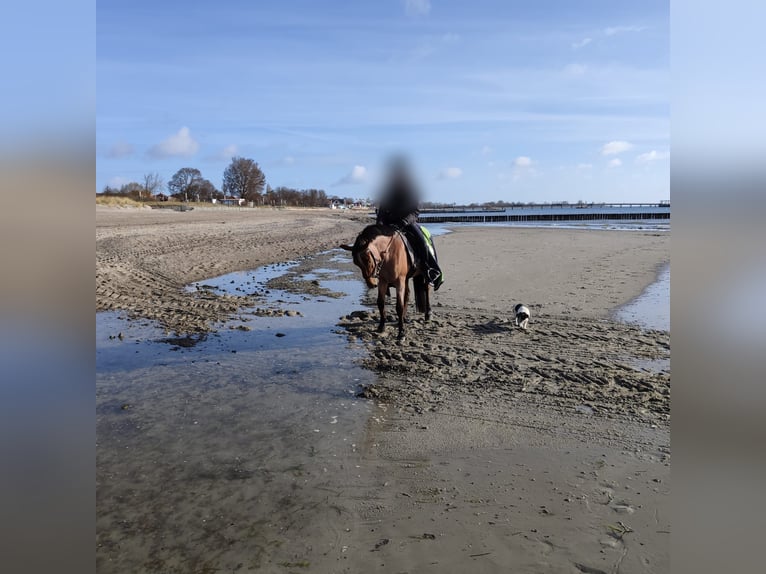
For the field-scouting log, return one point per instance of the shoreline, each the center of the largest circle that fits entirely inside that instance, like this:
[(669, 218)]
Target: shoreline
[(653, 301)]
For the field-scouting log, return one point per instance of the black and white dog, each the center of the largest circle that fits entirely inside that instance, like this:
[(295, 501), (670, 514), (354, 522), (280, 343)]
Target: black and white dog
[(522, 315)]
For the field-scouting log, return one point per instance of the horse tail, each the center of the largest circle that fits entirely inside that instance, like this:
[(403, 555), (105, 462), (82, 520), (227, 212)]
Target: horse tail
[(420, 285)]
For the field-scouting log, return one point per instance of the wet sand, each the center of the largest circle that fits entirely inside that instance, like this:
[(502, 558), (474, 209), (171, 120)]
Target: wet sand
[(546, 450), (145, 257), (489, 448)]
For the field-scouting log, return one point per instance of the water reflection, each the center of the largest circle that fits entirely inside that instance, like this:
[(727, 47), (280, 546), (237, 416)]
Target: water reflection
[(651, 309)]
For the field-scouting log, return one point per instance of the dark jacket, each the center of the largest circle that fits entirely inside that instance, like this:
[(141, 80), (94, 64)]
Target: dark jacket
[(399, 202)]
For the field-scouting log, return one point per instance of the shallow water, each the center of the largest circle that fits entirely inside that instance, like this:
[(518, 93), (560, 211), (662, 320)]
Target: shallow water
[(241, 282), (651, 309), (225, 435)]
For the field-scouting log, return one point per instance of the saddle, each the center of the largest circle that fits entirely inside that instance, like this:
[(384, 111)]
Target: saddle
[(413, 261)]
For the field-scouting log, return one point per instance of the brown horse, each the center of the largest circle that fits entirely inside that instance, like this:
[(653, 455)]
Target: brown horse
[(379, 251)]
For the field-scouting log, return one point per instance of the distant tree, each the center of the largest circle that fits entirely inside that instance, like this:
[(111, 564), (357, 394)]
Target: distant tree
[(297, 197), (243, 178), (204, 190), (269, 198), (320, 199), (182, 184), (132, 190), (152, 185)]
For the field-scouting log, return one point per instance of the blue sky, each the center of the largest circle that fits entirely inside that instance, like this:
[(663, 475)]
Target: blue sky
[(491, 99)]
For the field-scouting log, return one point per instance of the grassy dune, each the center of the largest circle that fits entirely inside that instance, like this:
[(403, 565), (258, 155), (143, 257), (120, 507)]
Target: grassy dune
[(117, 201)]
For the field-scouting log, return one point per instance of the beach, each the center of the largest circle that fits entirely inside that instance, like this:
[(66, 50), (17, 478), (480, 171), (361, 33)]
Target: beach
[(481, 446), (144, 257)]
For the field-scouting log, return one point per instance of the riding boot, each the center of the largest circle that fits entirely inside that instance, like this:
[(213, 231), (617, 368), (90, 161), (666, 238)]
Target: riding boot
[(435, 269), (428, 257)]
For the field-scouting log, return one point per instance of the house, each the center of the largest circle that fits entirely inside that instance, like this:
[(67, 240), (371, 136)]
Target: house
[(230, 201)]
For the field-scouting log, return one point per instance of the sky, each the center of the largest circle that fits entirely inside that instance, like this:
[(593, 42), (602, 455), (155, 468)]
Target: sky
[(489, 99)]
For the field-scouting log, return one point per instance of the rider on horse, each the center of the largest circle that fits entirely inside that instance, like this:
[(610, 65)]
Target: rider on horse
[(399, 207)]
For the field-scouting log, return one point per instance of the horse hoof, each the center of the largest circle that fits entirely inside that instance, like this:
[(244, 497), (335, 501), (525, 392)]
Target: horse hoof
[(400, 337), (381, 328)]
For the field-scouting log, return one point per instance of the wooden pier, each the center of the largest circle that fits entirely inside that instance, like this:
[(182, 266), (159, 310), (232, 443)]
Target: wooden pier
[(510, 217), (550, 212)]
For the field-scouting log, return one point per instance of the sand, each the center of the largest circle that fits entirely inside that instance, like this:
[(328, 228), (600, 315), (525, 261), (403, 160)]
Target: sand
[(573, 353), (584, 273), (145, 257), (544, 450), (492, 449)]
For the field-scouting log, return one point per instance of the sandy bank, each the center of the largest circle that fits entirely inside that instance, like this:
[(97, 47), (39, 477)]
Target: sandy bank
[(145, 258)]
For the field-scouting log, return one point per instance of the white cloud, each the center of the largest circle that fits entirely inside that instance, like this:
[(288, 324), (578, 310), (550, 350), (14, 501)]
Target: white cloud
[(613, 30), (616, 147), (581, 44), (523, 167), (450, 173), (486, 150), (417, 7), (616, 162), (651, 156), (120, 149), (357, 175), (522, 161), (180, 144), (584, 165)]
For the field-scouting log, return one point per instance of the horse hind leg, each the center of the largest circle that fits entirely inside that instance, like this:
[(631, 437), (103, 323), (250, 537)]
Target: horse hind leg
[(382, 308), (402, 296), (422, 297), (427, 297)]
